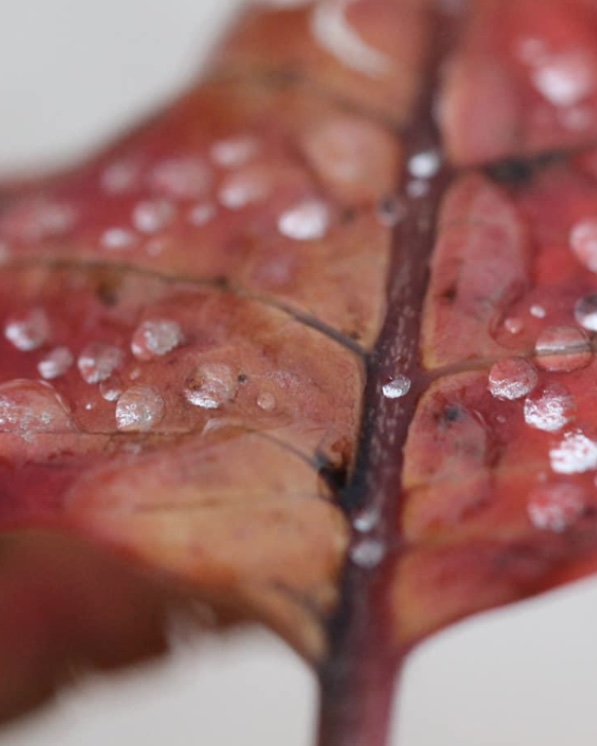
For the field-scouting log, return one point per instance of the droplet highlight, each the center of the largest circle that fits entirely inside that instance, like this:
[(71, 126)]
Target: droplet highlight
[(398, 387), (139, 408)]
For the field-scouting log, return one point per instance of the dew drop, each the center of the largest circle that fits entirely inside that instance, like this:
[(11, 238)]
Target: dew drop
[(266, 401), (537, 311), (424, 165), (366, 520), (564, 79), (55, 363), (244, 188), (417, 188), (111, 388), (201, 214), (585, 312), (155, 338), (562, 349), (151, 216), (118, 239), (28, 407), (234, 152), (555, 507), (181, 178), (28, 330), (512, 378), (98, 361), (398, 387), (583, 242), (549, 409), (120, 177), (368, 553), (391, 211), (574, 455), (139, 408), (513, 325), (211, 386), (306, 221)]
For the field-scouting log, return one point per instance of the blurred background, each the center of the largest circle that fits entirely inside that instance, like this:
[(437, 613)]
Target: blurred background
[(72, 74)]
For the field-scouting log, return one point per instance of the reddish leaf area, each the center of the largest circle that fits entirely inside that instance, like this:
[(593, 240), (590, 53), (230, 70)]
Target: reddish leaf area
[(314, 346)]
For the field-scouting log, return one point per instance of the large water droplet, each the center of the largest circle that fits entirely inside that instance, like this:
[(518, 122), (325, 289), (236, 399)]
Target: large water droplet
[(211, 386), (155, 338), (549, 409), (306, 221), (139, 408), (28, 330), (512, 379), (55, 363), (152, 216), (28, 407), (424, 165), (575, 454), (555, 507), (585, 312), (98, 361), (564, 79), (583, 242), (562, 349), (398, 387)]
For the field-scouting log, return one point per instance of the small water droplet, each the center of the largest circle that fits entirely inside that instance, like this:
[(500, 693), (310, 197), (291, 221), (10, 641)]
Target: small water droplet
[(574, 455), (368, 553), (417, 188), (55, 363), (28, 330), (306, 221), (151, 216), (211, 386), (184, 177), (235, 151), (512, 378), (562, 349), (118, 239), (537, 311), (366, 520), (266, 401), (41, 219), (139, 409), (155, 338), (555, 507), (549, 409), (201, 214), (28, 407), (244, 188), (111, 388), (424, 165), (391, 211), (513, 325), (398, 387), (583, 242), (585, 312), (98, 361), (120, 177)]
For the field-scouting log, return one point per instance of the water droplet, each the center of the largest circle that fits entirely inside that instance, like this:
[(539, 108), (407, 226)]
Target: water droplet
[(583, 242), (306, 221), (152, 216), (155, 338), (98, 361), (211, 386), (368, 553), (585, 312), (28, 407), (201, 214), (555, 507), (398, 387), (118, 239), (55, 363), (266, 401), (537, 311), (564, 79), (513, 325), (562, 349), (41, 219), (391, 211), (111, 388), (574, 455), (244, 188), (424, 165), (366, 520), (417, 188), (181, 178), (28, 330), (120, 177), (512, 378), (235, 151), (139, 408), (549, 409)]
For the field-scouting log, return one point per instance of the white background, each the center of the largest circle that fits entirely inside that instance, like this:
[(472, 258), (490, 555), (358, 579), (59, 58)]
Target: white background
[(72, 72)]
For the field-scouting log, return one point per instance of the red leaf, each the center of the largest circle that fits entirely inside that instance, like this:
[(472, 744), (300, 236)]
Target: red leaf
[(226, 369)]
